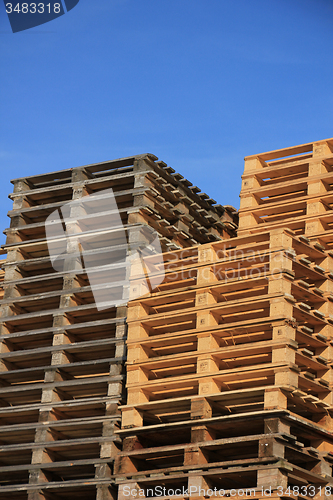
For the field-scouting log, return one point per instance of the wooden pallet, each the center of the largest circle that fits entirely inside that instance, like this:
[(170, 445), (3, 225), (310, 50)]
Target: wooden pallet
[(62, 360), (282, 189)]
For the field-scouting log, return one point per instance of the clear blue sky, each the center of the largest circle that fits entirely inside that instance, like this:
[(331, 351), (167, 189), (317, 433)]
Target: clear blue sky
[(199, 83)]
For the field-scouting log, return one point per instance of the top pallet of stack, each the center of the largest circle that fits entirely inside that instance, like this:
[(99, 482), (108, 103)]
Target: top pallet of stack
[(291, 188), (147, 191)]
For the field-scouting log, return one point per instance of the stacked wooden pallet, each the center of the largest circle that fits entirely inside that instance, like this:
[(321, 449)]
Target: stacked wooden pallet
[(61, 358), (229, 372), (290, 187), (229, 365), (2, 277)]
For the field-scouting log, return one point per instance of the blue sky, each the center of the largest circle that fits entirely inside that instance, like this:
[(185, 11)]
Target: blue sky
[(199, 83)]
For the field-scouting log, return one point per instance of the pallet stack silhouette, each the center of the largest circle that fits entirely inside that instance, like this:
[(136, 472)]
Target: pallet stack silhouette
[(225, 388), (62, 373)]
